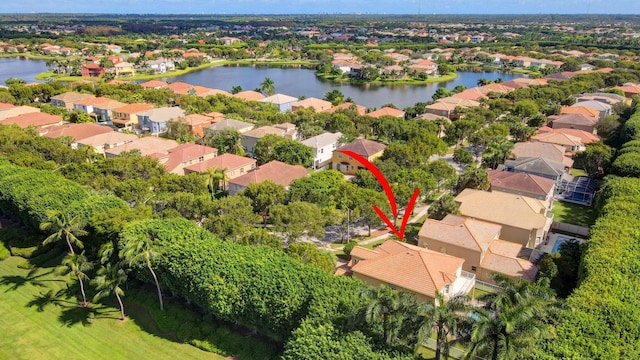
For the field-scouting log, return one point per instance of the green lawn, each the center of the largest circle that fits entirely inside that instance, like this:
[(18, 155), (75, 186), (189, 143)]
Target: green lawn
[(43, 322), (574, 214)]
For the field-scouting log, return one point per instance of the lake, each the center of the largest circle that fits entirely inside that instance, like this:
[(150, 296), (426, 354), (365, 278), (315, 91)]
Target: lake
[(291, 81)]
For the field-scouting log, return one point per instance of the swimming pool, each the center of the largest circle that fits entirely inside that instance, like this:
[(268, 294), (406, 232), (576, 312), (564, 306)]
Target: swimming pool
[(559, 240)]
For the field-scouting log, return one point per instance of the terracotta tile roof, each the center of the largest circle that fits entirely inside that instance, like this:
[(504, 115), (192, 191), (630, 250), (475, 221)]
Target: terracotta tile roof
[(35, 119), (502, 257), (147, 145), (471, 94), (364, 147), (230, 124), (315, 103), (4, 106), (506, 209), (551, 152), (93, 101), (186, 152), (109, 105), (197, 119), (386, 111), (275, 171), (249, 95), (409, 267), (584, 136), (154, 84), (76, 131), (179, 87), (573, 119), (495, 87), (279, 99), (459, 101), (224, 161), (461, 231), (629, 88), (520, 182), (110, 138), (558, 138), (359, 108), (134, 108), (71, 97), (264, 131), (580, 110)]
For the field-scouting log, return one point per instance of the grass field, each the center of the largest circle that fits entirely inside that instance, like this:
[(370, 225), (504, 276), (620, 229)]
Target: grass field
[(43, 322), (574, 214)]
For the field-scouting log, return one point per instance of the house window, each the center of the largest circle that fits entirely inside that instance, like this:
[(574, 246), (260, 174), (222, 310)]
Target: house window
[(201, 158), (321, 151), (339, 155), (350, 158), (241, 170), (446, 289), (473, 268)]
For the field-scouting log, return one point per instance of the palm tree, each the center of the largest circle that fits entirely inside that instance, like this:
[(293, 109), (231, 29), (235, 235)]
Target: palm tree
[(388, 307), (442, 318), (497, 152), (108, 281), (63, 227), (215, 176), (140, 249), (77, 265), (511, 320), (268, 86)]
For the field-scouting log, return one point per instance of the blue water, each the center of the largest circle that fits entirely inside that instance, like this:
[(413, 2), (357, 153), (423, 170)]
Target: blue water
[(559, 240)]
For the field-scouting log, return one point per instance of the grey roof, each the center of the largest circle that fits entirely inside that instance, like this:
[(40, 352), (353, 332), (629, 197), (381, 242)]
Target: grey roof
[(322, 140), (536, 165), (605, 95), (593, 104), (229, 124), (163, 114)]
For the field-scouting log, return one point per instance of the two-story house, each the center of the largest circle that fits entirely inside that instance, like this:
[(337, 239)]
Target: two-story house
[(232, 165), (155, 121), (127, 116), (346, 164), (323, 146), (181, 156), (68, 99)]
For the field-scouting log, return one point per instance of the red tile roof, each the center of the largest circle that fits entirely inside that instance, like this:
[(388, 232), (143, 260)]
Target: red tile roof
[(76, 131), (275, 171), (186, 152), (224, 161), (364, 147), (386, 111), (36, 119), (520, 182)]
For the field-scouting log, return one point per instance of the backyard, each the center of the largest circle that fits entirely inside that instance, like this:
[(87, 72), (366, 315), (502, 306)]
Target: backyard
[(574, 214)]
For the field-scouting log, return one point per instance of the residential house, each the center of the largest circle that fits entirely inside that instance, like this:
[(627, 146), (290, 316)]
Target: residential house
[(629, 89), (228, 124), (147, 145), (496, 88), (124, 69), (127, 116), (478, 243), (387, 111), (312, 103), (525, 184), (347, 67), (361, 110), (155, 121), (13, 111), (154, 84), (547, 151), (603, 108), (232, 165), (580, 110), (607, 98), (523, 219), (443, 109), (92, 70), (424, 66), (249, 95), (536, 166), (197, 123), (32, 119), (569, 142), (116, 49), (274, 171), (323, 146), (75, 131), (5, 106), (161, 65), (68, 99), (106, 141), (584, 136), (574, 121), (250, 138), (283, 102), (87, 105), (409, 268), (474, 94), (181, 156), (346, 164), (104, 111)]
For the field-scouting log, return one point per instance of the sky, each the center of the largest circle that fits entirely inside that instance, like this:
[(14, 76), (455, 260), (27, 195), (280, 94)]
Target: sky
[(629, 7)]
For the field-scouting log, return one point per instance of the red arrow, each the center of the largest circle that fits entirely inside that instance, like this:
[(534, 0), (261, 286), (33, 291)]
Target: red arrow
[(387, 189)]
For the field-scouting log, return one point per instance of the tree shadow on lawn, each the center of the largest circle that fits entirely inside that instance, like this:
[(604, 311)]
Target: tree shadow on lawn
[(15, 282), (86, 315)]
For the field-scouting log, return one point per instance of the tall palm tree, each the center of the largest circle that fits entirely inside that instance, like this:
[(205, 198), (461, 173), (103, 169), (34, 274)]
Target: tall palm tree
[(443, 318), (511, 319), (140, 250), (62, 227), (268, 86), (109, 281), (76, 265), (497, 152), (388, 308), (214, 177)]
